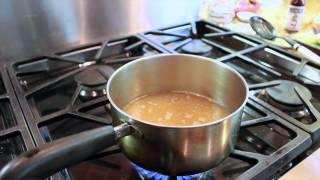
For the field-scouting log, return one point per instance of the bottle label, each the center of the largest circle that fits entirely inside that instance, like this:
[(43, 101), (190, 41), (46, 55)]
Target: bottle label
[(294, 19)]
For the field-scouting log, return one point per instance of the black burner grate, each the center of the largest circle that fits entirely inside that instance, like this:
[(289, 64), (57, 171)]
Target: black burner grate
[(303, 118), (14, 134), (52, 91)]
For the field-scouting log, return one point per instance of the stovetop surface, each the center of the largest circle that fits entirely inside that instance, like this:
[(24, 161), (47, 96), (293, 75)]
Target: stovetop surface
[(64, 93)]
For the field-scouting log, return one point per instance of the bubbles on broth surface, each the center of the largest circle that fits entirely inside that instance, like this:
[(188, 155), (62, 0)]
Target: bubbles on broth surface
[(176, 108)]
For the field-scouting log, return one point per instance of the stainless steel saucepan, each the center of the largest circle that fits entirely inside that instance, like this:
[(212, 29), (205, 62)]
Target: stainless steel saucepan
[(171, 150)]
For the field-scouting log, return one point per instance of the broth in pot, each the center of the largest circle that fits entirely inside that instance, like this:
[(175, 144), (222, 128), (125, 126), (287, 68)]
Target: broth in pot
[(176, 108)]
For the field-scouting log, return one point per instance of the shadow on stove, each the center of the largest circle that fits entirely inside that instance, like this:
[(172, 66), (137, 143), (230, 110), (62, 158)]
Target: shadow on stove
[(7, 117), (10, 147)]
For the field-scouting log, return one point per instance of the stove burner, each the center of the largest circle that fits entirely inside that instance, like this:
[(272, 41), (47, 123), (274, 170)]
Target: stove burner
[(285, 98), (93, 80), (196, 46), (94, 75), (150, 175), (285, 94)]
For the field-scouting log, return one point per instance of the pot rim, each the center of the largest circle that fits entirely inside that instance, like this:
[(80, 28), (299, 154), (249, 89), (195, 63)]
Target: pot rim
[(200, 58)]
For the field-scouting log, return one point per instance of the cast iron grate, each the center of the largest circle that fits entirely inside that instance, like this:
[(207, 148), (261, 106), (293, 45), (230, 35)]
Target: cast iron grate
[(54, 95), (15, 137)]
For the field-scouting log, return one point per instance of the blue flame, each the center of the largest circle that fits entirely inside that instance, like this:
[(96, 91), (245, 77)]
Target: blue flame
[(157, 176)]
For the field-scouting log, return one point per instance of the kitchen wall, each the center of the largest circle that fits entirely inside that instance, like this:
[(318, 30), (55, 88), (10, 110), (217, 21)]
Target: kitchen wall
[(35, 27)]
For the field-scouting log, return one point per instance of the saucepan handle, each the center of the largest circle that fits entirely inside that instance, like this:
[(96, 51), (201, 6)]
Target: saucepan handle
[(42, 162)]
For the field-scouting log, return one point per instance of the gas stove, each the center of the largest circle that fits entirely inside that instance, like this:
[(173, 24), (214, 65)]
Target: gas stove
[(64, 93)]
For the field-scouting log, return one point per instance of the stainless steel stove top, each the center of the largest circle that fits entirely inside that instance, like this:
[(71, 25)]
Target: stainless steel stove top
[(63, 93)]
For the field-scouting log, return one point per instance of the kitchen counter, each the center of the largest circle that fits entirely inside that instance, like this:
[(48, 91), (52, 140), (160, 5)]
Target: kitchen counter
[(276, 12), (307, 169)]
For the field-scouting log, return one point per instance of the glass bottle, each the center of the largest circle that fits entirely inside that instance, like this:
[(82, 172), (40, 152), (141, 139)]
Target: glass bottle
[(295, 15), (221, 12)]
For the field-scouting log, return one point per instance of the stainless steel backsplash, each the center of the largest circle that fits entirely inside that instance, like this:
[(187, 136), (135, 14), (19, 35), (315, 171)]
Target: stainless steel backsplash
[(36, 27)]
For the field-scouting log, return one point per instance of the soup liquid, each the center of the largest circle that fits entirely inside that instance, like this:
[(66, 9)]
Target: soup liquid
[(176, 108)]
